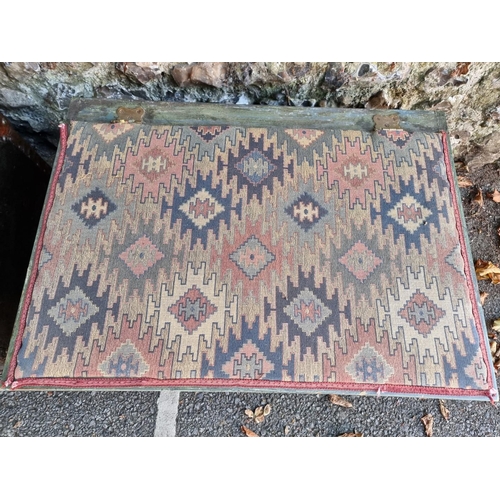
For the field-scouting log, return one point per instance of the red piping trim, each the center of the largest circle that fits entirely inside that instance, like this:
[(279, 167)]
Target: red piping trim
[(244, 383), (34, 270), (465, 255)]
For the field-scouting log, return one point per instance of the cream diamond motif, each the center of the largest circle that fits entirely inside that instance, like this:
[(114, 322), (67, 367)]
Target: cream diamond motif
[(201, 208)]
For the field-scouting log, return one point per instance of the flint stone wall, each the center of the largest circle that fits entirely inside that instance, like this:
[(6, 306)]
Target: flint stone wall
[(34, 96)]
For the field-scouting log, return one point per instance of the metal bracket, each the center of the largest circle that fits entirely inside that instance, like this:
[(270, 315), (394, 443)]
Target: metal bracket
[(383, 121), (129, 115)]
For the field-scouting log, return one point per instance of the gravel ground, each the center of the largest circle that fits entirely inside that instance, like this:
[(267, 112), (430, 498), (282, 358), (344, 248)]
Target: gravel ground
[(77, 413), (223, 414)]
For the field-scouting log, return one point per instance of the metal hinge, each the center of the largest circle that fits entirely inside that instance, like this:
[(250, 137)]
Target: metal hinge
[(390, 121), (129, 115)]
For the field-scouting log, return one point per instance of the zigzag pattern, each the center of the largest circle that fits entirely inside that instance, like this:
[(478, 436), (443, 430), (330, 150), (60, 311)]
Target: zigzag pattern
[(329, 257)]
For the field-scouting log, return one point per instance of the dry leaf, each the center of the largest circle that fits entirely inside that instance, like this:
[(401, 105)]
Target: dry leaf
[(287, 430), (351, 435), (259, 411), (428, 421), (18, 424), (464, 182), (482, 297), (479, 198), (259, 419), (267, 410), (487, 270), (337, 400), (249, 432), (496, 365), (496, 325), (249, 413), (493, 347), (495, 196), (444, 411)]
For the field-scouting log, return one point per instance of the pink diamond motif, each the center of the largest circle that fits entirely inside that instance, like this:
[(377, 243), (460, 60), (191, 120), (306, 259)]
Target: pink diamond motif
[(141, 255), (421, 313), (360, 261)]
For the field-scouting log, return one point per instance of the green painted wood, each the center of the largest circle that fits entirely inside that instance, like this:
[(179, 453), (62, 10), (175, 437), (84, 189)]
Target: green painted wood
[(174, 113)]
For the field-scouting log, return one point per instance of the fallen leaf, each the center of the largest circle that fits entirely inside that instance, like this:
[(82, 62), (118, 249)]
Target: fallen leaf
[(258, 411), (482, 297), (18, 424), (496, 325), (464, 182), (249, 413), (248, 432), (487, 270), (337, 400), (495, 196), (267, 410), (493, 347), (259, 419), (496, 365), (287, 430), (444, 411), (428, 421), (479, 198), (351, 435)]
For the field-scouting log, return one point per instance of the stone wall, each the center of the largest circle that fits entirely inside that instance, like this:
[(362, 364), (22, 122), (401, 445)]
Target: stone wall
[(35, 96)]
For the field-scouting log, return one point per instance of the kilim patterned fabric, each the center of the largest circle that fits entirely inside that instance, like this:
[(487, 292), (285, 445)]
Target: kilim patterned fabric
[(273, 258)]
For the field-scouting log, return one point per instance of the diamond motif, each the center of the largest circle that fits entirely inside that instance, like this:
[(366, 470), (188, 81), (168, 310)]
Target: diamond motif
[(209, 132), (409, 213), (126, 361), (45, 257), (72, 311), (456, 261), (397, 137), (248, 362), (192, 309), (252, 257), (307, 311), (421, 313), (360, 261), (141, 255), (369, 366), (201, 208), (110, 131), (255, 167), (93, 207), (305, 137), (306, 211)]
